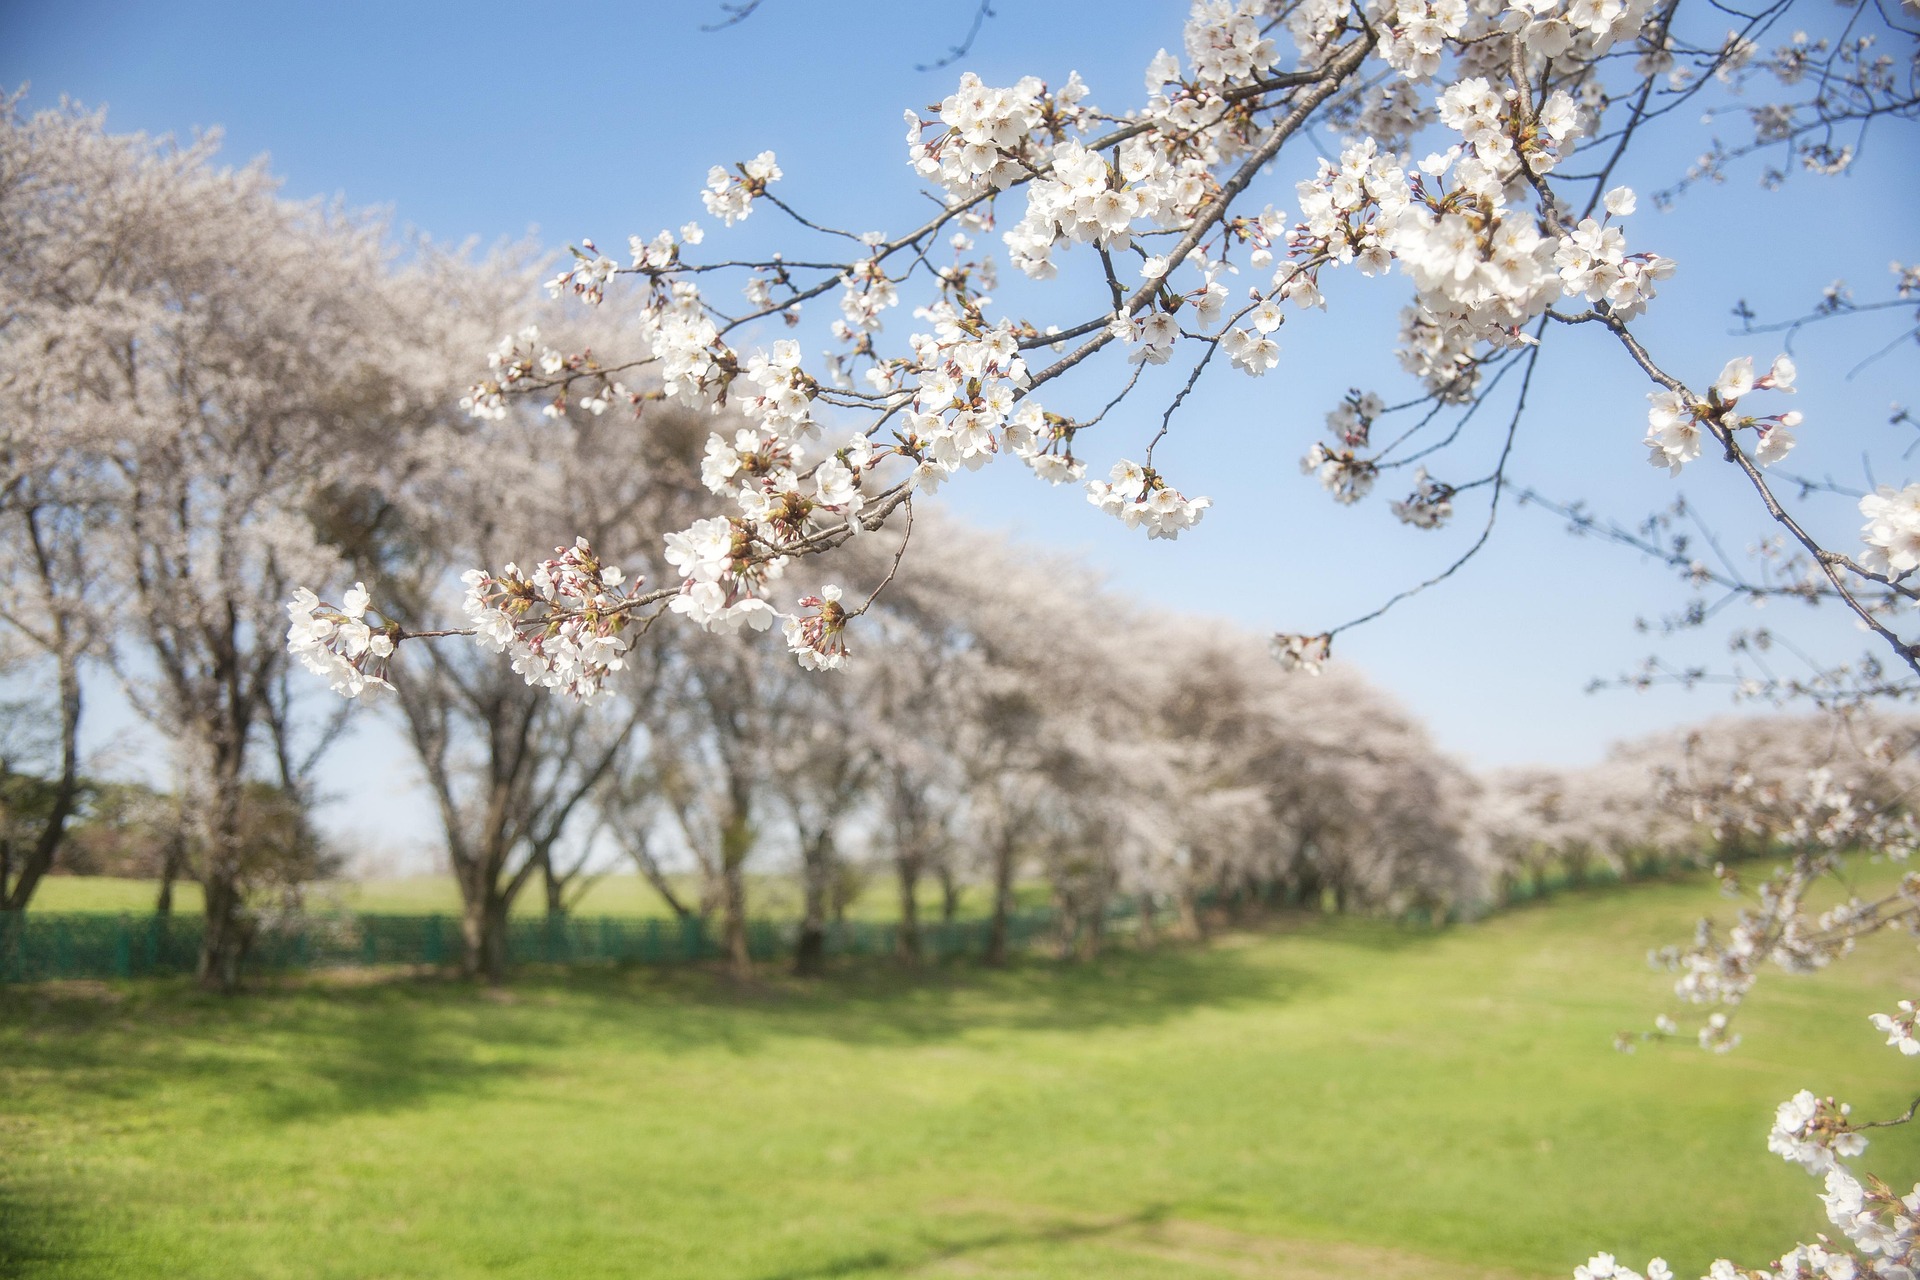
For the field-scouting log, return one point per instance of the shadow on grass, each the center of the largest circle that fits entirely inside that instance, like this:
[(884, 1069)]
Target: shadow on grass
[(37, 1232), (884, 1004), (1058, 1232), (310, 1048), (281, 1055), (153, 1055)]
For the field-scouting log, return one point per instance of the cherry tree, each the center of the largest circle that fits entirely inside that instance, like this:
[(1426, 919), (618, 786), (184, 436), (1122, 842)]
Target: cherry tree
[(823, 766), (194, 366), (75, 212), (1534, 820), (516, 774), (1478, 164), (992, 701), (51, 609)]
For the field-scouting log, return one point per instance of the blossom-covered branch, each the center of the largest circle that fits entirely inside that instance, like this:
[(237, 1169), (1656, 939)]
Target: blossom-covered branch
[(1146, 224)]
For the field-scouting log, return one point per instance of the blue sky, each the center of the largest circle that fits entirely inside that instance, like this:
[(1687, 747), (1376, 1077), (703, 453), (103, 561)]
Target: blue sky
[(498, 122)]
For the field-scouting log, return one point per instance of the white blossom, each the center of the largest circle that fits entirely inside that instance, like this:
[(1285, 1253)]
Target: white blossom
[(338, 643)]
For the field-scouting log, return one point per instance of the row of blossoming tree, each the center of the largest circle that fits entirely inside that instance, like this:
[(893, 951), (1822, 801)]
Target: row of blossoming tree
[(211, 393), (981, 746)]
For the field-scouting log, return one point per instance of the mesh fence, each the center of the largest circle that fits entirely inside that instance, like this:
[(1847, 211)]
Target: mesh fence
[(36, 946)]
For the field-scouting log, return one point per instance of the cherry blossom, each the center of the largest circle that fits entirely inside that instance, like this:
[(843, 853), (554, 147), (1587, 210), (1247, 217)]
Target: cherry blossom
[(1496, 238), (1892, 531), (1899, 1027), (1307, 654), (818, 639), (1812, 1132), (1429, 505), (1141, 499), (338, 643), (562, 625), (729, 196)]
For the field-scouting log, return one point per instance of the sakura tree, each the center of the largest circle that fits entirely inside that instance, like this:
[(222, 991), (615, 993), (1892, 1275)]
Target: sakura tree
[(1480, 163), (512, 771), (195, 370)]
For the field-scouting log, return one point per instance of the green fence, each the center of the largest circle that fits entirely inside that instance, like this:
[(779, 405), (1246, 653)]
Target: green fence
[(35, 946)]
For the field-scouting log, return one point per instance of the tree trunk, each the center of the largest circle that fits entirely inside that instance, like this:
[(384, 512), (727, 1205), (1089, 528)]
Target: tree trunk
[(1192, 921), (907, 937), (736, 840), (1191, 924), (816, 873), (1094, 936), (734, 922), (949, 892), (1147, 933), (224, 943), (483, 934), (1067, 926), (555, 886), (997, 940), (1094, 890), (810, 950), (66, 794)]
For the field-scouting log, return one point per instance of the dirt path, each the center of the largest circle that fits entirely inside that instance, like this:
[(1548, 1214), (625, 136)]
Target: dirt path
[(1194, 1248)]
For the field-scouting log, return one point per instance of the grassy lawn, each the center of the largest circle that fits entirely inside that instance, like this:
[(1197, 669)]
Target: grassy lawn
[(1320, 1098)]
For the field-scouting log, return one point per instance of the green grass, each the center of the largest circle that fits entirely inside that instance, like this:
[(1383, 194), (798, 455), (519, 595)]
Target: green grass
[(1321, 1098), (109, 895)]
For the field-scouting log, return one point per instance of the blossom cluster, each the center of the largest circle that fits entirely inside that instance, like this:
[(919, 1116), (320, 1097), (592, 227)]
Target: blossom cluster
[(1225, 43), (1430, 504), (562, 625), (1483, 267), (1892, 531), (1818, 819), (1604, 1266), (729, 196), (985, 131), (1141, 499), (968, 377), (1899, 1027), (588, 277), (818, 639), (1087, 200), (516, 360), (339, 643), (1348, 208), (1593, 263), (1307, 654), (1812, 1132), (1677, 422), (1341, 472), (721, 576)]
